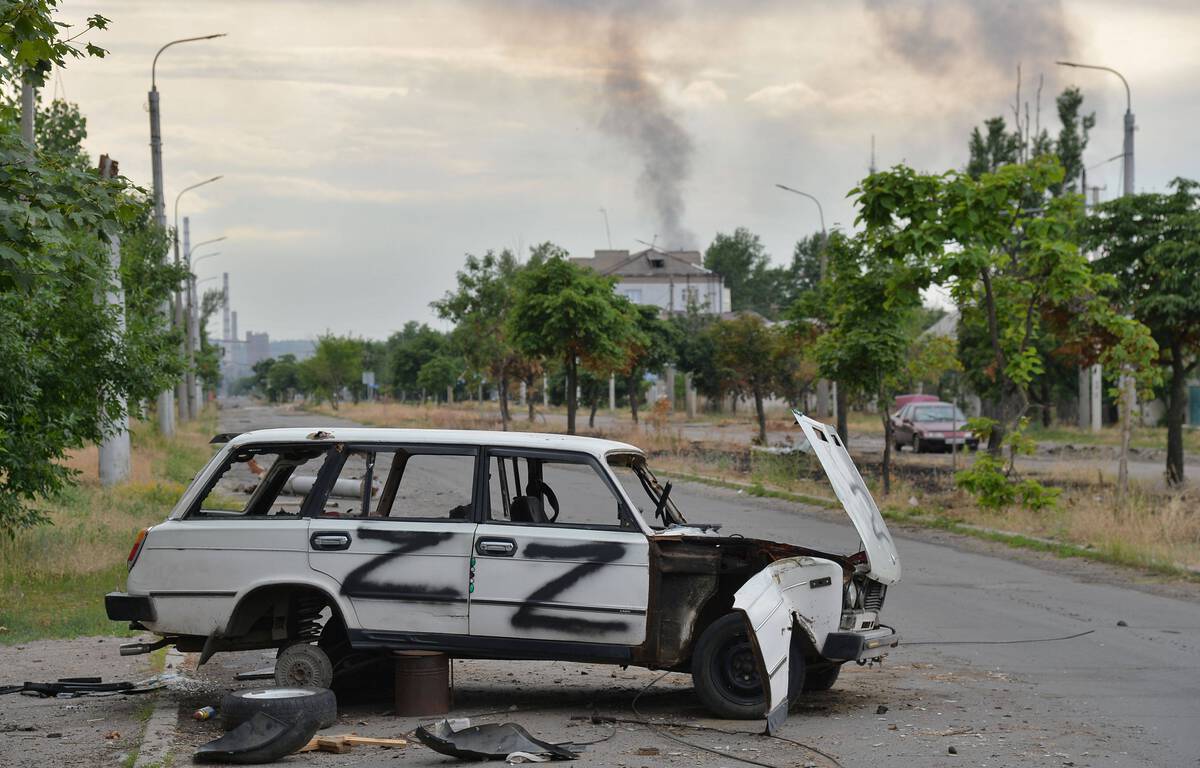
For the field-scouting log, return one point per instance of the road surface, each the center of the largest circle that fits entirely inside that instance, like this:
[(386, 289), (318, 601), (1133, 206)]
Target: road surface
[(979, 672)]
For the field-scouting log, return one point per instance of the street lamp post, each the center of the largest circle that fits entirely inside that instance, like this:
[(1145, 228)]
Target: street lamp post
[(187, 407), (193, 327), (1127, 385), (166, 398), (822, 384)]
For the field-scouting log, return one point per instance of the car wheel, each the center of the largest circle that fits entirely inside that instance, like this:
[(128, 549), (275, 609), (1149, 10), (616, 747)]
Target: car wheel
[(899, 446), (821, 677), (916, 445), (725, 671), (286, 704), (302, 665)]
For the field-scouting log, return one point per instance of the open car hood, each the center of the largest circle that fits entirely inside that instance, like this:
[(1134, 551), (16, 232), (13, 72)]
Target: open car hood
[(848, 484)]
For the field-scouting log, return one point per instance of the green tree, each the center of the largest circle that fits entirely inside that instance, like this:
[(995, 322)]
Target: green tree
[(208, 357), (649, 349), (336, 365), (1150, 245), (866, 347), (480, 308), (283, 380), (439, 374), (747, 349), (568, 312), (995, 149), (742, 261), (409, 350), (1017, 271), (695, 353)]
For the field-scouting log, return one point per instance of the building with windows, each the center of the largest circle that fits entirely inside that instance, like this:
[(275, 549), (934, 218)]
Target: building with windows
[(670, 280)]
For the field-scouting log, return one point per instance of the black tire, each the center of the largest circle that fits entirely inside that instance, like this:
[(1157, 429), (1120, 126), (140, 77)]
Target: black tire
[(916, 445), (899, 446), (303, 665), (287, 704), (821, 677), (725, 671)]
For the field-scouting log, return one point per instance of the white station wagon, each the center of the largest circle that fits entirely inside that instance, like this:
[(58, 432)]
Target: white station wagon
[(336, 546)]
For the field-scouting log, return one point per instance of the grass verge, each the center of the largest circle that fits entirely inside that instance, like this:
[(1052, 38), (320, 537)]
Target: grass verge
[(53, 577)]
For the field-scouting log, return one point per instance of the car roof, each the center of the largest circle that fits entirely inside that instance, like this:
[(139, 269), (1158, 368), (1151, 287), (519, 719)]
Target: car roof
[(532, 440)]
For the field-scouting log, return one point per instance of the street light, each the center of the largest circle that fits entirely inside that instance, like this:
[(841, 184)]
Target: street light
[(1129, 122), (1130, 395), (187, 408), (166, 398), (822, 384), (193, 327)]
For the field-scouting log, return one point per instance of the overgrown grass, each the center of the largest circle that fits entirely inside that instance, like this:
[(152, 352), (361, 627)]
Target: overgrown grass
[(53, 578)]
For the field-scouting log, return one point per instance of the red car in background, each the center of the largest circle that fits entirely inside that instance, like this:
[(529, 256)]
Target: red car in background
[(930, 426)]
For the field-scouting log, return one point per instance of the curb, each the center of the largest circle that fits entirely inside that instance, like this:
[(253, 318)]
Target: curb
[(158, 737)]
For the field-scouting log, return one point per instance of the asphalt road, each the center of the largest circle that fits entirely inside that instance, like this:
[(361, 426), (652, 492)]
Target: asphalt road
[(978, 672)]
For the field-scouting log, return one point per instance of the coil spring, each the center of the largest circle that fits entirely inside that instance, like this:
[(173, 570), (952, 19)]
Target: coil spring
[(308, 613)]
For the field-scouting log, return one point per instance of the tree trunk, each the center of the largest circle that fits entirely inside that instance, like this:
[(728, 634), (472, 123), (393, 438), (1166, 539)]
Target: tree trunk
[(572, 399), (595, 405), (1176, 404), (529, 396), (503, 396), (762, 416), (887, 450), (842, 406), (1047, 406), (631, 384)]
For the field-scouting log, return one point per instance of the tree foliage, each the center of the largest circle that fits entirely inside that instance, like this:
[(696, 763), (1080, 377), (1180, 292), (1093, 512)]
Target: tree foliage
[(1150, 246), (567, 312)]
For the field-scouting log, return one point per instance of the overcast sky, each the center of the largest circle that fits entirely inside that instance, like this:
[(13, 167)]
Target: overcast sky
[(366, 146)]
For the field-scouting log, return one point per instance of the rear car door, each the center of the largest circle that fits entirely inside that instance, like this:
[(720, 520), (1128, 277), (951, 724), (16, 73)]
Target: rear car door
[(557, 556), (395, 529)]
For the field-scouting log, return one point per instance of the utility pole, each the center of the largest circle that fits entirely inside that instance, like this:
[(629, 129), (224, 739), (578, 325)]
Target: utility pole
[(1127, 385), (823, 384), (183, 388), (607, 231), (225, 346), (166, 398), (114, 451)]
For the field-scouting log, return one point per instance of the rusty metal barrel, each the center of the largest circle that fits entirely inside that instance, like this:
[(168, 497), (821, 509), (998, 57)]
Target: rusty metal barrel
[(422, 683)]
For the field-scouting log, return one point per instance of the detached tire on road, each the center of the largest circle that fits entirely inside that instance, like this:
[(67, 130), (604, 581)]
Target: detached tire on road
[(725, 671), (287, 704)]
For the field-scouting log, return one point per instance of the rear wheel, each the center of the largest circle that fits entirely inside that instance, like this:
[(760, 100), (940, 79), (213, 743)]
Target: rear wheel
[(916, 444), (302, 665), (725, 671)]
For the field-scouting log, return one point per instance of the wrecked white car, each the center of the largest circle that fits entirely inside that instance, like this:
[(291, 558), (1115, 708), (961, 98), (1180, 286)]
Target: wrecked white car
[(338, 546)]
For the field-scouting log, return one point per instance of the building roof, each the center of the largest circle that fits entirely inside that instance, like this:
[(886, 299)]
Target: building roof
[(650, 262), (589, 445)]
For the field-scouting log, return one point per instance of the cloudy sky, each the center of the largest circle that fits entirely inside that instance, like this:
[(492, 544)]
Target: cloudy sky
[(366, 146)]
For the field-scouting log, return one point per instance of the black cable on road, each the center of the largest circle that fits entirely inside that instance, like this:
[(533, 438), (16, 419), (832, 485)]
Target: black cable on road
[(999, 642), (657, 729)]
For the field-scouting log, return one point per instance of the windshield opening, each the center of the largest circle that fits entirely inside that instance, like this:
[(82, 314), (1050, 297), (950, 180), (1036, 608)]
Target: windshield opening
[(644, 490)]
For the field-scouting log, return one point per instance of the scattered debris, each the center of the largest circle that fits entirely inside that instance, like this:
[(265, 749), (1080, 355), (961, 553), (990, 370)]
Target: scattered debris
[(881, 709), (647, 751), (204, 713), (343, 742), (1122, 623), (261, 739), (952, 750), (69, 687), (487, 742), (266, 673)]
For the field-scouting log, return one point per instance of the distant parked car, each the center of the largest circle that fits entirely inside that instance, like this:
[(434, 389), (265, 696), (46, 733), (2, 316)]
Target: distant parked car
[(903, 400), (935, 426)]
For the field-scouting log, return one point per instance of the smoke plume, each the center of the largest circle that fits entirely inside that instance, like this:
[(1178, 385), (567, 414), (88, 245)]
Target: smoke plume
[(939, 36), (607, 36)]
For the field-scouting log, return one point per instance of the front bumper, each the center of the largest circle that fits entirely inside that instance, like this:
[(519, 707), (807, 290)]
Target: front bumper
[(124, 607), (852, 646)]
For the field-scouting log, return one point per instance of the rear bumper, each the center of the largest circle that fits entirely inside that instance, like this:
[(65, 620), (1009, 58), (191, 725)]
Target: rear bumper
[(123, 607), (852, 646)]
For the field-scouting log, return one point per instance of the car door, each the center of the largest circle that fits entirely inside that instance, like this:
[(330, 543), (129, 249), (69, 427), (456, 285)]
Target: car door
[(395, 530), (902, 426), (553, 559)]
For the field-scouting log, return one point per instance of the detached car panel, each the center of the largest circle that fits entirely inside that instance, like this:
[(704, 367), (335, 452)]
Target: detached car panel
[(501, 545)]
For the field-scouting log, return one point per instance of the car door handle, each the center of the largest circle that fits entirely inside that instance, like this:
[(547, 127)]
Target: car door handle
[(330, 541), (496, 547)]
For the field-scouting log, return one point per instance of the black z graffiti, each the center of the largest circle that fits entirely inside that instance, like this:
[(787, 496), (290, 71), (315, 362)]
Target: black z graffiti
[(356, 583), (598, 554)]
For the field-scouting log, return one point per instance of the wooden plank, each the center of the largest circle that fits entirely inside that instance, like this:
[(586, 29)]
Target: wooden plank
[(374, 742)]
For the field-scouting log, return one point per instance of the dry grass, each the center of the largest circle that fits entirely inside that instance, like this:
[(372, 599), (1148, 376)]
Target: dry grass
[(53, 577)]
